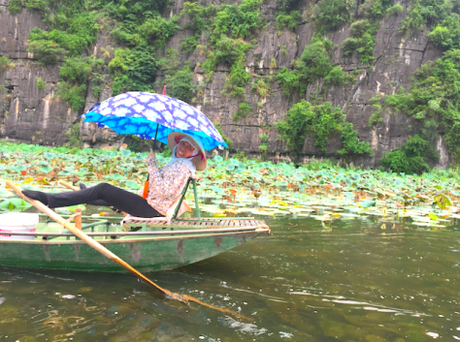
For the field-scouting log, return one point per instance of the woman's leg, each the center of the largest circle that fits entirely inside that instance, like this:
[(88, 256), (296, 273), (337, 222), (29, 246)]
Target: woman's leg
[(121, 199)]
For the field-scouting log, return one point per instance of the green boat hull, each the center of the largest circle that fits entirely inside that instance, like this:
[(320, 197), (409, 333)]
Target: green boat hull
[(145, 254)]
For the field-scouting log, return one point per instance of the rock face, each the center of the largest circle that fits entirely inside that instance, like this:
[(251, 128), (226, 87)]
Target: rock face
[(36, 115)]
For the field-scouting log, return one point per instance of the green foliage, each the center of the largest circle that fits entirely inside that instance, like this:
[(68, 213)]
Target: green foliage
[(74, 95), (227, 140), (47, 51), (81, 31), (376, 117), (412, 157), (244, 111), (5, 63), (290, 20), (237, 79), (320, 121), (314, 63), (434, 100), (289, 80), (414, 20), (41, 5), (446, 35), (229, 51), (395, 10), (260, 88), (78, 70), (14, 6), (133, 70), (180, 84), (350, 143), (363, 40), (332, 14), (75, 73), (238, 21), (40, 83), (73, 136), (263, 148), (156, 31)]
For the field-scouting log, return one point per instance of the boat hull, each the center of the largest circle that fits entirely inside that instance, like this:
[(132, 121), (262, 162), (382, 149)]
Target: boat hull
[(145, 253)]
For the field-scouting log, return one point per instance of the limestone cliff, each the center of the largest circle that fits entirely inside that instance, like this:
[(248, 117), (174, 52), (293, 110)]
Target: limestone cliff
[(37, 115)]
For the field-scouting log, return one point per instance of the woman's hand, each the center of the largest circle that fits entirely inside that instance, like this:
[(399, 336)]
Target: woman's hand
[(152, 154)]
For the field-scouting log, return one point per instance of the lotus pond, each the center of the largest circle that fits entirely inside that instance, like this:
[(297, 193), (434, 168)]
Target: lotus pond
[(354, 255)]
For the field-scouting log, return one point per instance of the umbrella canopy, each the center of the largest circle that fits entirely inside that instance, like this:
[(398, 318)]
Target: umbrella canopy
[(143, 113)]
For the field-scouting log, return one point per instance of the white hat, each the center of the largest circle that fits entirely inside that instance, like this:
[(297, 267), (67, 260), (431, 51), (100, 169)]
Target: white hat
[(200, 159)]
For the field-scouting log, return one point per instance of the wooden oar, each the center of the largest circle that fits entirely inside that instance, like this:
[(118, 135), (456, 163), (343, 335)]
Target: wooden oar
[(104, 251)]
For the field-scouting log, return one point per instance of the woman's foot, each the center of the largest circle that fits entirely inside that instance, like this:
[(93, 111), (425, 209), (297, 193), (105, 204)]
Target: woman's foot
[(36, 195)]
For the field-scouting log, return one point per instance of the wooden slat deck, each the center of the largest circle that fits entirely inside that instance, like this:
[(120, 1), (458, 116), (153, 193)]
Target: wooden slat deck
[(207, 222)]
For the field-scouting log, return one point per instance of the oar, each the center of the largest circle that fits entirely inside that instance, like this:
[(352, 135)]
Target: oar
[(104, 251), (96, 245)]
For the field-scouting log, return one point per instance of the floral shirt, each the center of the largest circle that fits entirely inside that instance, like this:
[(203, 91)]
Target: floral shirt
[(166, 184)]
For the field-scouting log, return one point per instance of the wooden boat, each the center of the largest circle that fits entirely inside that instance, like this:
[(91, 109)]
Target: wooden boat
[(147, 246)]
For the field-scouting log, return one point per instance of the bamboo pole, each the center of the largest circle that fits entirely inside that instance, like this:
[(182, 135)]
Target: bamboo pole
[(104, 251)]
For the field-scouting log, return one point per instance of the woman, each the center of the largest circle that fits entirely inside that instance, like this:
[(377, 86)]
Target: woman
[(165, 184)]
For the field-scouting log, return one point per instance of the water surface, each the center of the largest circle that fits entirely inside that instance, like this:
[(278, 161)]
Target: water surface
[(356, 279)]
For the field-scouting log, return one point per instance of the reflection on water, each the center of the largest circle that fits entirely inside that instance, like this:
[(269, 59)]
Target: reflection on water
[(353, 280)]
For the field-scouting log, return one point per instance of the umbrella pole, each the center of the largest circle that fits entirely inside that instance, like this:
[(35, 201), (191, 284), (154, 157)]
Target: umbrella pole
[(146, 183)]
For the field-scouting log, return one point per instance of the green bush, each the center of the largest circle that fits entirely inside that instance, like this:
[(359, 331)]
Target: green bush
[(414, 20), (5, 63), (156, 31), (332, 14), (180, 84), (290, 20), (289, 81), (244, 111), (446, 35), (238, 21), (363, 40), (74, 95), (260, 88), (14, 6), (320, 121), (40, 83), (263, 148), (237, 79), (412, 157)]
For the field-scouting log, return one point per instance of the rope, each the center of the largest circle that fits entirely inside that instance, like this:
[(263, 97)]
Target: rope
[(71, 217)]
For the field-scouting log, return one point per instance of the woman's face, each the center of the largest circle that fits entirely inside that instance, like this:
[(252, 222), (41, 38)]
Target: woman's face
[(184, 150)]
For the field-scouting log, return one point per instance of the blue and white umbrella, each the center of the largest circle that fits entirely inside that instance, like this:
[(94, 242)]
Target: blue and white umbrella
[(153, 116)]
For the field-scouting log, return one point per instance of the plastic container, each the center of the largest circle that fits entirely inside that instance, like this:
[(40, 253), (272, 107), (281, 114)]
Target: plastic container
[(18, 222)]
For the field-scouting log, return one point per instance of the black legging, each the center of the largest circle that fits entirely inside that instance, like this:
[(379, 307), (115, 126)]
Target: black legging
[(112, 196)]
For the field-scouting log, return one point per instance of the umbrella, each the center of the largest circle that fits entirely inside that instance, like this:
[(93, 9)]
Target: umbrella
[(154, 116)]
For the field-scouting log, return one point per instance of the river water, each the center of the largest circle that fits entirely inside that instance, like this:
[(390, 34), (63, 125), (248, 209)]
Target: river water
[(353, 280)]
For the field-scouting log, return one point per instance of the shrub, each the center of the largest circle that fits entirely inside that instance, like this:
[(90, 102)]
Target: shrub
[(237, 79), (157, 30), (260, 88), (40, 83), (331, 14), (412, 157), (5, 63), (244, 111), (14, 6), (74, 95), (320, 121), (290, 20), (180, 84)]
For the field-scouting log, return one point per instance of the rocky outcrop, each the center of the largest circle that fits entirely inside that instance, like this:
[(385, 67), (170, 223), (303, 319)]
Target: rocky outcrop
[(38, 115)]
